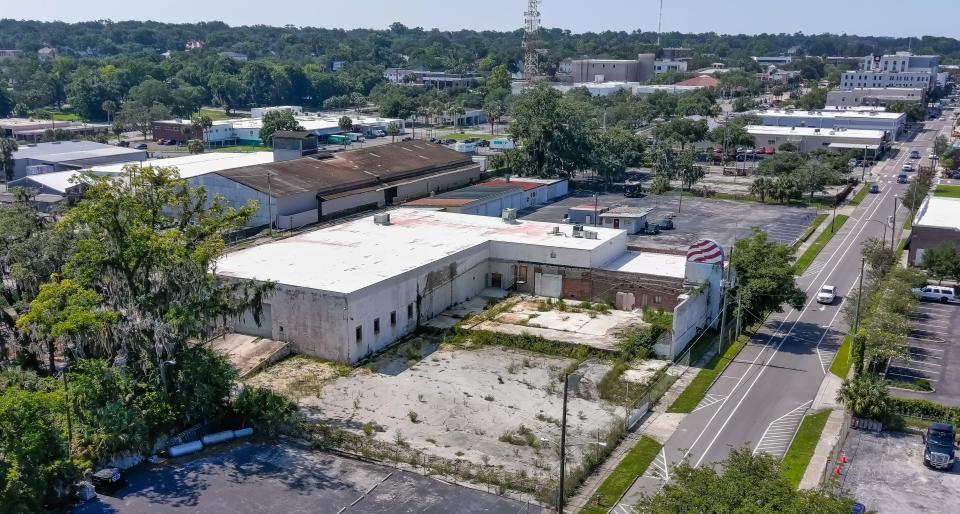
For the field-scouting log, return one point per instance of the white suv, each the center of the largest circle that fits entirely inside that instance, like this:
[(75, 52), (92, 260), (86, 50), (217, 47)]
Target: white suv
[(935, 293)]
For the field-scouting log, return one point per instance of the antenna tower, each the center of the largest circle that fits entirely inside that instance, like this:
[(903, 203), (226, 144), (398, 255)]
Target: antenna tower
[(660, 23), (531, 26)]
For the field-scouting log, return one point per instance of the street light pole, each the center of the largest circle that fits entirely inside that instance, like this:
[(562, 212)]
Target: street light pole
[(563, 443), (893, 226)]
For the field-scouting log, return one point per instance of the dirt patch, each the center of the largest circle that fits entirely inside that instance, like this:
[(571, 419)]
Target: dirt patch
[(491, 406), (298, 376)]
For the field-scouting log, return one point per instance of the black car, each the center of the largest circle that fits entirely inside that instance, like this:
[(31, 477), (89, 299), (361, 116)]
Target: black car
[(874, 188), (939, 446), (108, 480), (651, 230), (901, 179), (665, 224), (141, 146)]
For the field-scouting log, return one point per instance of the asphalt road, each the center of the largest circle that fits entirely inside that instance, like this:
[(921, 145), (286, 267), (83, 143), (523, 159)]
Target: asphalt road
[(287, 477), (759, 401)]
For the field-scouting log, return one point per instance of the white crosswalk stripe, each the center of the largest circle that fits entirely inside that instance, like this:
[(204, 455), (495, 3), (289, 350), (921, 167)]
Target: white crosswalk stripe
[(779, 434), (659, 467), (708, 400)]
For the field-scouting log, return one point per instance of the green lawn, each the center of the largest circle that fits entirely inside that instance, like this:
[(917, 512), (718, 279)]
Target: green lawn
[(861, 194), (634, 463), (697, 389), (795, 462), (215, 114), (843, 360), (947, 191), (814, 249), (908, 224), (62, 116), (461, 137), (241, 149)]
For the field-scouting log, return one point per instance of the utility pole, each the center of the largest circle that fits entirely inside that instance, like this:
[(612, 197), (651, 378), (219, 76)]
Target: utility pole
[(660, 23), (893, 226), (563, 444), (269, 204), (723, 312)]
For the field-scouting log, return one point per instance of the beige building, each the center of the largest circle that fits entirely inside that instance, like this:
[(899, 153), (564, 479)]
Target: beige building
[(809, 139), (614, 70)]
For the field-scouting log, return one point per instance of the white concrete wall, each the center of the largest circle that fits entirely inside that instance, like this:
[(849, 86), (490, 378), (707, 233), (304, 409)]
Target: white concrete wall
[(297, 220), (417, 188), (690, 315), (236, 195)]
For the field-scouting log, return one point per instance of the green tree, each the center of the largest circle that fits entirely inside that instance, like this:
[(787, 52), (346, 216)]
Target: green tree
[(345, 123), (941, 262), (195, 146), (499, 79), (814, 99), (940, 145), (35, 465), (266, 411), (20, 110), (117, 128), (688, 172), (226, 89), (761, 188), (109, 107), (765, 275), (554, 134), (614, 151), (393, 130), (915, 112), (494, 109), (140, 116), (747, 483), (682, 130), (275, 121), (185, 100), (866, 396), (201, 123), (813, 176), (7, 147)]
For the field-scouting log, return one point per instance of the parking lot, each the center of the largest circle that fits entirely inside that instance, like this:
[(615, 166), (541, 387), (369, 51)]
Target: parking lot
[(885, 473), (721, 220), (934, 355), (288, 477)]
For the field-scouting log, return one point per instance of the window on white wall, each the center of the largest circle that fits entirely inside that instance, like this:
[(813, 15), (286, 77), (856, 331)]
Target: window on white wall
[(393, 318), (376, 327), (359, 334)]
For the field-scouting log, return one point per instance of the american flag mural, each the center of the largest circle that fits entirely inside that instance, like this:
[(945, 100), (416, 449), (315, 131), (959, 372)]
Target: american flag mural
[(706, 251)]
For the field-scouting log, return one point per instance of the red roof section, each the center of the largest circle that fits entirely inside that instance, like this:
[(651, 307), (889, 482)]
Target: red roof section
[(702, 80), (526, 186)]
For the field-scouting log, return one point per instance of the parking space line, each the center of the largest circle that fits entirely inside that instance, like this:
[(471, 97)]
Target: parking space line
[(928, 379)]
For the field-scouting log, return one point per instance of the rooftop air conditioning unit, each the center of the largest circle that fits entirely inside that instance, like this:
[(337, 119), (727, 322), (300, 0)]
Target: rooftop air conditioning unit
[(555, 231), (509, 215), (382, 218), (578, 231), (590, 234)]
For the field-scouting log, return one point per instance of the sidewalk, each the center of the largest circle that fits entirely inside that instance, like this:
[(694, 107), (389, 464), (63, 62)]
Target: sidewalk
[(658, 424), (826, 399)]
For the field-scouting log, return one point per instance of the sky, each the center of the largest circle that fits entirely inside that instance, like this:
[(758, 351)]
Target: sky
[(862, 17)]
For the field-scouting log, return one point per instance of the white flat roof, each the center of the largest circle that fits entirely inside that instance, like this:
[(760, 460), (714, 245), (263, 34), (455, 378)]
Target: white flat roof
[(938, 212), (813, 131), (195, 165), (353, 255), (58, 181), (649, 263), (834, 114), (65, 151), (317, 122)]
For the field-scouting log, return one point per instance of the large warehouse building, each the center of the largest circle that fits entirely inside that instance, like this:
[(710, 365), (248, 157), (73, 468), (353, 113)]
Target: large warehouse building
[(809, 139), (346, 291), (40, 158), (890, 122)]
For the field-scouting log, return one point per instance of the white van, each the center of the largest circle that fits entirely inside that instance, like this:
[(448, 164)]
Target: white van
[(935, 293)]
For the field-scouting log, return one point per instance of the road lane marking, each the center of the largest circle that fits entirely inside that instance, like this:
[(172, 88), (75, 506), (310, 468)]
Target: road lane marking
[(779, 434)]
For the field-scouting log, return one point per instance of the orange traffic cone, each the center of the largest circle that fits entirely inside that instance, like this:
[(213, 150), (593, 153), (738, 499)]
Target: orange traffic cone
[(836, 471)]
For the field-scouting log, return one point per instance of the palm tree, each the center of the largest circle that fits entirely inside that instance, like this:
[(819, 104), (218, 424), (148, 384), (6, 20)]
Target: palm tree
[(760, 187), (393, 130), (783, 188), (7, 147), (866, 396), (109, 107)]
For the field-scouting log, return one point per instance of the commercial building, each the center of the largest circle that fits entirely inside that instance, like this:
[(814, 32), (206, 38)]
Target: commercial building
[(809, 139), (677, 54), (873, 96), (775, 60), (666, 66), (614, 70), (902, 69), (436, 79), (631, 219), (937, 222), (36, 131), (609, 88), (39, 158), (892, 123), (246, 131), (298, 192), (347, 291), (492, 197), (8, 54)]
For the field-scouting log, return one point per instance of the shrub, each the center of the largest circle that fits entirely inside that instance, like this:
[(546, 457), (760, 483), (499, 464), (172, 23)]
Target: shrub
[(266, 411), (924, 385), (413, 416), (866, 396)]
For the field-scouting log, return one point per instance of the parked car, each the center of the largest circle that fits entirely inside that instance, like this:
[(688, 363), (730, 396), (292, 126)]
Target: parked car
[(939, 446), (652, 229), (483, 143), (941, 294), (827, 294), (914, 154), (123, 143), (852, 163), (901, 179), (665, 224), (954, 174), (874, 188), (141, 146), (108, 480), (908, 167)]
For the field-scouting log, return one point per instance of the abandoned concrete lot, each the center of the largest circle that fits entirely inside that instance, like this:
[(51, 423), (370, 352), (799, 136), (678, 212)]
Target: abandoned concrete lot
[(287, 477), (721, 220), (885, 472)]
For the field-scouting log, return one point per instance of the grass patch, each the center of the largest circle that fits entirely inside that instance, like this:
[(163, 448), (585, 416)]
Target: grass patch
[(813, 228), (461, 137), (861, 194), (844, 358), (947, 191), (63, 116), (634, 463), (214, 114), (795, 462), (241, 149), (695, 391), (821, 241), (908, 224)]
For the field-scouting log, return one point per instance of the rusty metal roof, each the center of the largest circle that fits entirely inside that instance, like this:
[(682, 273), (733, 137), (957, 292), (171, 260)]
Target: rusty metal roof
[(349, 170)]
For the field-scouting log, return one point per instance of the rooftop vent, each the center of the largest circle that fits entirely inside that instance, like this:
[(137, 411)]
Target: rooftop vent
[(509, 215), (590, 234), (382, 218), (578, 231), (555, 231)]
